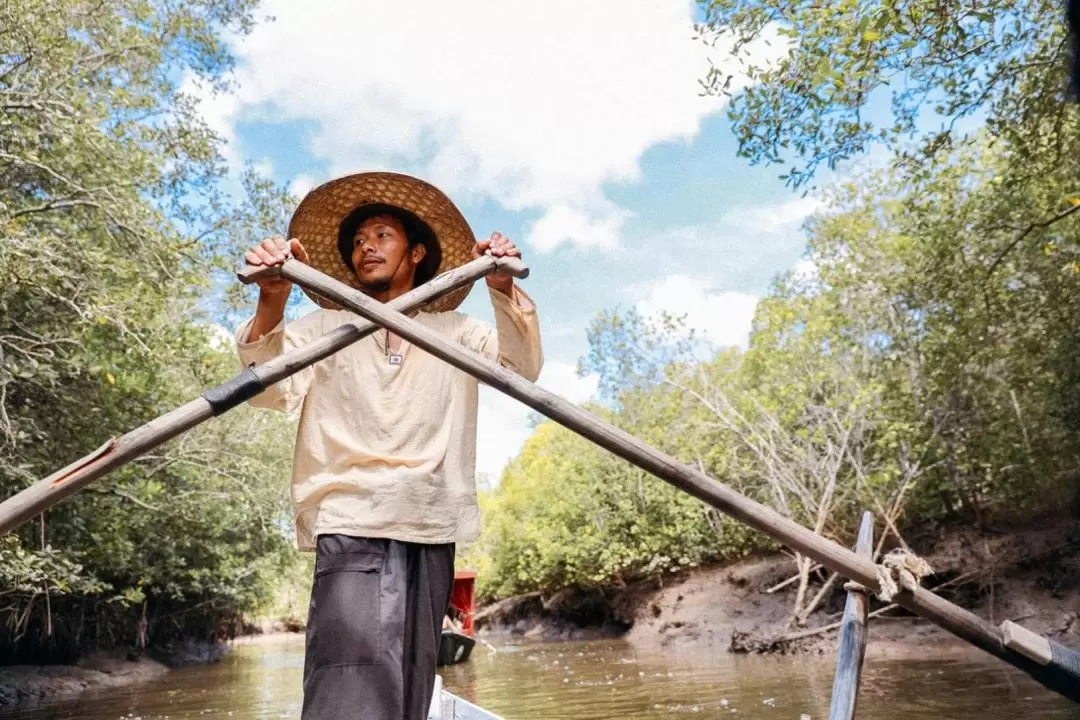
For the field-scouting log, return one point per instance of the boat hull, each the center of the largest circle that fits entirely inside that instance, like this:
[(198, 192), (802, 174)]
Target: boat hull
[(447, 706)]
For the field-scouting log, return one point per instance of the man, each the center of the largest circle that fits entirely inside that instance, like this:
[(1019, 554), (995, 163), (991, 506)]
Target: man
[(383, 482)]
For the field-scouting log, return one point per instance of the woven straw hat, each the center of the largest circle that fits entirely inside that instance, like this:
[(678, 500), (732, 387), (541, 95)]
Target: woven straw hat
[(318, 218)]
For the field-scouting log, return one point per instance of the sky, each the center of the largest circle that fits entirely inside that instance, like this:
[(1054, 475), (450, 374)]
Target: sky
[(577, 128)]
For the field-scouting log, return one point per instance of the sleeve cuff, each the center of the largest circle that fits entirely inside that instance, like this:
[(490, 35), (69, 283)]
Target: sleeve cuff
[(519, 300), (244, 331)]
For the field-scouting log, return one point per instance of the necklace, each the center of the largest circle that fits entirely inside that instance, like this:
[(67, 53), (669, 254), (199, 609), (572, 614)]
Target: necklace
[(391, 357)]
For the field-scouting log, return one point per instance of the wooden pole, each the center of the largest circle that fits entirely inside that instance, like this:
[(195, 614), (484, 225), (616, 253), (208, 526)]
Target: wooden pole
[(852, 646), (17, 509), (953, 618)]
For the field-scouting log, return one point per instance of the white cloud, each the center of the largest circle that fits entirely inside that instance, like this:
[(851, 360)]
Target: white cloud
[(742, 249), (774, 218), (724, 317), (537, 105), (502, 422), (743, 236), (264, 167), (501, 429), (563, 223), (301, 185), (562, 379)]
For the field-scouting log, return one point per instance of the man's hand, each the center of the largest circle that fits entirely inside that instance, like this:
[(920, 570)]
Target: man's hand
[(274, 251), (273, 291), (498, 245)]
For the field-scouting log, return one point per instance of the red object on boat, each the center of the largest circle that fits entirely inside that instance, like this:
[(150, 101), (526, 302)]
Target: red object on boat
[(463, 599)]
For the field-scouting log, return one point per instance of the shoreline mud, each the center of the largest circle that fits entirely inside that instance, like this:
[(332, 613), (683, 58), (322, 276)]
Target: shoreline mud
[(23, 685), (33, 684), (1030, 576)]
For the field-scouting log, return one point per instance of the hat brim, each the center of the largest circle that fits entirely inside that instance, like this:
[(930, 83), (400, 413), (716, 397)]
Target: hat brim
[(319, 215)]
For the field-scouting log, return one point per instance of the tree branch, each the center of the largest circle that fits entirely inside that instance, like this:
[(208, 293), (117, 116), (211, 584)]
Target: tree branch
[(54, 205), (1043, 224)]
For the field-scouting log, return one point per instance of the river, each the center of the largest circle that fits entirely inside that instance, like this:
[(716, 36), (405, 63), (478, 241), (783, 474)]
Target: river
[(593, 680)]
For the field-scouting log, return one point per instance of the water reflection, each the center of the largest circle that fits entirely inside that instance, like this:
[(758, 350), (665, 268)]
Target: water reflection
[(594, 680), (613, 680)]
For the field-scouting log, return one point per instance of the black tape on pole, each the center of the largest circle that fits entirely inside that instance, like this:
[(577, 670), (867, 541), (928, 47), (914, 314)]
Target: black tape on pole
[(1066, 661), (1062, 673), (234, 391)]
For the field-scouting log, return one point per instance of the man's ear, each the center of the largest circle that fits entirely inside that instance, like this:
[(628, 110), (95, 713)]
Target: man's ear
[(418, 253)]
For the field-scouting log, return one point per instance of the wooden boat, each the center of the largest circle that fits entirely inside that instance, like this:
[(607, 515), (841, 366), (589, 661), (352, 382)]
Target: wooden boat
[(459, 635), (454, 647), (448, 706)]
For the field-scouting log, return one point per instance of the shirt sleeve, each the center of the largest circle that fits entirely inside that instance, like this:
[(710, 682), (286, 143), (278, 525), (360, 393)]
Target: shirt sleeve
[(514, 342), (288, 394)]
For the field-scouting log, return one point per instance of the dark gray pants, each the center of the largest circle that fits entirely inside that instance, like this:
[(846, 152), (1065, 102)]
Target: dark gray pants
[(373, 628)]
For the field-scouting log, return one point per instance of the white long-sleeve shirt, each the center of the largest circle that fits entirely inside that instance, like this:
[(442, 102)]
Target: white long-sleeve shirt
[(389, 450)]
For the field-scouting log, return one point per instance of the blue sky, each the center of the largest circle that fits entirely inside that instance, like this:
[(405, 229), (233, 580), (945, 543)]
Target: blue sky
[(575, 128)]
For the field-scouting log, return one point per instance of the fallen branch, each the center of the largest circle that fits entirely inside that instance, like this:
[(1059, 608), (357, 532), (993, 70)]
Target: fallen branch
[(793, 578), (817, 599), (880, 611)]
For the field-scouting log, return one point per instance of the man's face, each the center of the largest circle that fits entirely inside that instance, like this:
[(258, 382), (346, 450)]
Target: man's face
[(382, 257)]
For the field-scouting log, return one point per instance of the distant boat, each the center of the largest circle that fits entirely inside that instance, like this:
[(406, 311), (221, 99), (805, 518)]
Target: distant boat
[(459, 635), (454, 647)]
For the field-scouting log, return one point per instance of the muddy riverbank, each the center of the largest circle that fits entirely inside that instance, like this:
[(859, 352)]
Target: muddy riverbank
[(1030, 576), (31, 684)]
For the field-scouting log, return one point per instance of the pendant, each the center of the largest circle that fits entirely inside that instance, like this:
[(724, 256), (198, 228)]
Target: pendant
[(394, 359)]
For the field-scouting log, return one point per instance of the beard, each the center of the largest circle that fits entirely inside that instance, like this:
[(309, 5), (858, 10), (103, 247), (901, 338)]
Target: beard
[(375, 286)]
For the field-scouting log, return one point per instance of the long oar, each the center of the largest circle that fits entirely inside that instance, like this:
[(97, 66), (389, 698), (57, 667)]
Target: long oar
[(43, 494), (1048, 662)]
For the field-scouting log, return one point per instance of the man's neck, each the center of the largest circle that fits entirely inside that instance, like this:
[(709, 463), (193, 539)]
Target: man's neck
[(385, 296), (382, 296)]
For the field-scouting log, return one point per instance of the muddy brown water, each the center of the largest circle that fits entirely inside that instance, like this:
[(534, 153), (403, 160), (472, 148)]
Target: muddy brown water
[(593, 680)]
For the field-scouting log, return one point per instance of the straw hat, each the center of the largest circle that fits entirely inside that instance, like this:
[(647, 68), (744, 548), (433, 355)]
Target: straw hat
[(317, 221)]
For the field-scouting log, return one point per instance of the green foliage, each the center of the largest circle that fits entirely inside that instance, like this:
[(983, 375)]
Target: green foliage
[(936, 64), (567, 513), (27, 572), (924, 369), (114, 217), (289, 603), (957, 263), (971, 297)]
